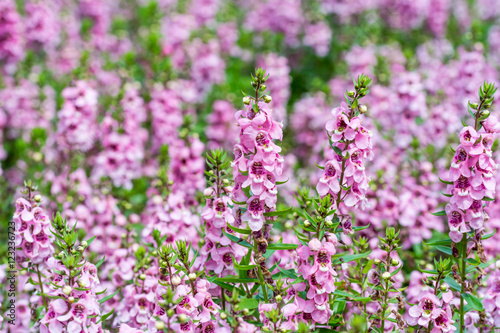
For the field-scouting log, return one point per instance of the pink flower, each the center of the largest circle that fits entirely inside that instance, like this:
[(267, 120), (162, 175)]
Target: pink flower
[(427, 309)]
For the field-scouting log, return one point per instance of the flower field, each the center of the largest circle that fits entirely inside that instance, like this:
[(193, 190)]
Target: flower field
[(252, 166)]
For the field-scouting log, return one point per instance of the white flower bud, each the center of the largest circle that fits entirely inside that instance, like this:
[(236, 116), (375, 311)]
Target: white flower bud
[(160, 325), (386, 275), (208, 192), (37, 156), (247, 100), (182, 318), (223, 316), (67, 290), (71, 299), (142, 277), (192, 276), (37, 198), (362, 109), (267, 98), (157, 200), (176, 280)]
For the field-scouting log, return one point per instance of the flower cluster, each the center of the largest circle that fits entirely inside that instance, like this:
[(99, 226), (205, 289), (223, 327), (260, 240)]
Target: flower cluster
[(315, 266), (32, 228), (352, 145), (258, 163), (472, 172), (77, 126)]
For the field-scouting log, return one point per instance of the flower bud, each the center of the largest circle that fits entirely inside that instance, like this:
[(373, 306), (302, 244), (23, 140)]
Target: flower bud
[(182, 318), (170, 313), (246, 312), (71, 299), (329, 223), (263, 87), (362, 109), (497, 264), (142, 276), (67, 290), (84, 244), (176, 280), (157, 200), (192, 276), (377, 262), (278, 298), (37, 198), (247, 100), (307, 224), (444, 287), (267, 98), (386, 275), (80, 248), (394, 262), (208, 192), (223, 316), (351, 93), (160, 325)]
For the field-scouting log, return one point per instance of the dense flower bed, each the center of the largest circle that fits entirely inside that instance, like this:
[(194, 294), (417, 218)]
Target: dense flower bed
[(249, 166)]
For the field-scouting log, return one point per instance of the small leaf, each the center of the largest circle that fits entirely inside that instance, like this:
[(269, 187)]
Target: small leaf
[(283, 182), (445, 181), (248, 303), (473, 301), (278, 213), (440, 213), (102, 300), (439, 242), (238, 240), (241, 231), (444, 249), (279, 246)]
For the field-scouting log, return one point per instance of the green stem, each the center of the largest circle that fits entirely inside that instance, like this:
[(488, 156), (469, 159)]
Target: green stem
[(262, 284), (41, 289), (462, 275)]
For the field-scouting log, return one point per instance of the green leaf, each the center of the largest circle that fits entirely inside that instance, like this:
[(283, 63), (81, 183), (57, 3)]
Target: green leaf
[(278, 213), (235, 279), (351, 257), (397, 270), (473, 301), (361, 227), (368, 266), (102, 300), (439, 242), (283, 182), (90, 241), (100, 262), (279, 246), (248, 303), (243, 267), (445, 181), (337, 150), (241, 231), (488, 199), (288, 272), (319, 166), (489, 235), (238, 240), (452, 283), (440, 213), (444, 249)]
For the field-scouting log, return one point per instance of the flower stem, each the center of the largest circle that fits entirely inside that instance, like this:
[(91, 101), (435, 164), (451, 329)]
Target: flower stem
[(41, 288), (462, 275)]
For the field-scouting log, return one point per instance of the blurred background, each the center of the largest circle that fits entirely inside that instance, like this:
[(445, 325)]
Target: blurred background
[(102, 100)]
